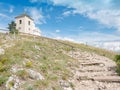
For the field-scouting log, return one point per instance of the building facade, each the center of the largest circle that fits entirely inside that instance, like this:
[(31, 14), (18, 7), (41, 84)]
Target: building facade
[(25, 24)]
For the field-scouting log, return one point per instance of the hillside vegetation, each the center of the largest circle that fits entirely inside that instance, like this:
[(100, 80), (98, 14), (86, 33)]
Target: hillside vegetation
[(23, 56)]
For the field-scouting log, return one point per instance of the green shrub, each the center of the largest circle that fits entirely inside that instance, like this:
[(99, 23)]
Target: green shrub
[(3, 67), (52, 77), (23, 74), (72, 85), (57, 88), (3, 60), (43, 83), (118, 68), (11, 83), (117, 58), (44, 68), (44, 58), (30, 88), (2, 80), (28, 64), (1, 64), (68, 49)]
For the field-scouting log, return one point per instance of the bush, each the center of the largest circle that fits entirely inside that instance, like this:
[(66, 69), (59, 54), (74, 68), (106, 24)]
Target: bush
[(11, 83), (3, 60), (41, 84), (2, 80), (44, 68), (23, 74), (44, 58), (28, 64), (30, 88), (117, 58), (1, 64), (3, 67)]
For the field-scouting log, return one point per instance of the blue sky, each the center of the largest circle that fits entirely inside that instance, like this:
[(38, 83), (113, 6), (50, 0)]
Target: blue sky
[(75, 20)]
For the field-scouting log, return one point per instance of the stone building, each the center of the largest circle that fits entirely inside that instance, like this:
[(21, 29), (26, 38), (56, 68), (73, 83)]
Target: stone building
[(25, 24)]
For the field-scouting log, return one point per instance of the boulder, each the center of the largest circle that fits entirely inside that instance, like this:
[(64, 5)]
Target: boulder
[(2, 51), (13, 83), (34, 74), (65, 85)]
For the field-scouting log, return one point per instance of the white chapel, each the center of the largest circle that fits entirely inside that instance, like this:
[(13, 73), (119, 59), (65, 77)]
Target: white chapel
[(25, 24)]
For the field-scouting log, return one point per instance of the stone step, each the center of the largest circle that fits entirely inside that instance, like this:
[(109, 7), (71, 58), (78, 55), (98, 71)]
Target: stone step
[(92, 69), (107, 79), (86, 74), (92, 63), (83, 78), (100, 78)]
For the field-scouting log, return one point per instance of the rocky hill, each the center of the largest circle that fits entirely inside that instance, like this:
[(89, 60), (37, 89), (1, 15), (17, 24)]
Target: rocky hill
[(39, 63)]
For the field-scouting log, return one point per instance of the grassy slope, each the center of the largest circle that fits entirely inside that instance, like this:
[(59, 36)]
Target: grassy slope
[(99, 51), (45, 56), (49, 60)]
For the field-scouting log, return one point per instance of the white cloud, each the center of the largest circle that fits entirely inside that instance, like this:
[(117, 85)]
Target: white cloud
[(104, 14), (65, 39), (37, 15), (2, 26), (91, 37), (11, 9), (95, 36), (4, 16), (67, 13), (57, 31), (59, 18), (33, 1), (109, 45), (107, 17)]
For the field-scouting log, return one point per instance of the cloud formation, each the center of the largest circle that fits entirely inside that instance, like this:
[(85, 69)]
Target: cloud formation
[(57, 31), (11, 9), (105, 12), (109, 45), (37, 15)]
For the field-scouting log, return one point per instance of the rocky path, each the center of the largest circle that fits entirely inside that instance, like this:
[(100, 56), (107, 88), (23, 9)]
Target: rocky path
[(95, 72)]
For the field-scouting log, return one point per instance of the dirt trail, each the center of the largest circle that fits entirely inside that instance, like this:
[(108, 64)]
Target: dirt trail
[(95, 72)]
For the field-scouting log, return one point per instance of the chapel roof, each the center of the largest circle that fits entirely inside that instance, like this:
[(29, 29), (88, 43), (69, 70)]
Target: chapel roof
[(23, 15)]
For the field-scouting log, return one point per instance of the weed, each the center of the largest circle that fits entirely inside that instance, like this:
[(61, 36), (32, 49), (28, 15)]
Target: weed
[(29, 64), (117, 58), (2, 80), (3, 67), (30, 88), (3, 60), (44, 58), (11, 84), (43, 83), (23, 74)]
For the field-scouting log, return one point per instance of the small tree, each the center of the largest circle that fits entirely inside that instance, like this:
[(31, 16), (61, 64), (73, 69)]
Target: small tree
[(12, 28)]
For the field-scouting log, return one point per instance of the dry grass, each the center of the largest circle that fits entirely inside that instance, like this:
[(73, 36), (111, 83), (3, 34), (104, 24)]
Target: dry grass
[(45, 56)]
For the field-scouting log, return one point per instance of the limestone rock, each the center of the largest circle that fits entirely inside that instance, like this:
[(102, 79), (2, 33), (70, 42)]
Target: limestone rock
[(35, 75), (65, 85), (37, 47), (2, 51), (13, 83)]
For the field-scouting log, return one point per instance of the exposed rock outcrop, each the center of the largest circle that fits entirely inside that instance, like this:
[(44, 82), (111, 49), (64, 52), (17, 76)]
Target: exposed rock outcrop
[(2, 51), (13, 83), (34, 74)]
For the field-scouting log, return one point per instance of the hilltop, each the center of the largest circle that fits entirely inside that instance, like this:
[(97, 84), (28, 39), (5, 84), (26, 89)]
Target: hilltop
[(40, 63)]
